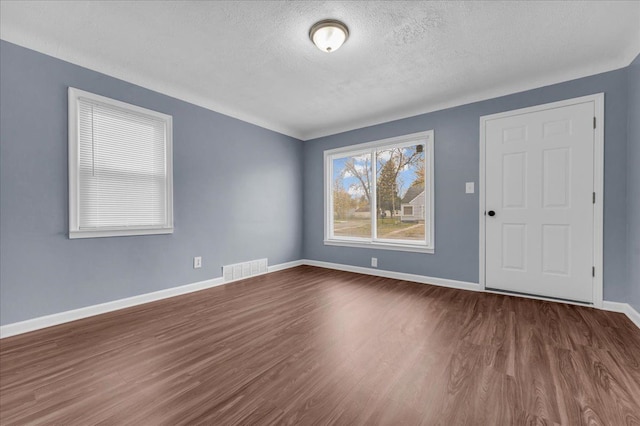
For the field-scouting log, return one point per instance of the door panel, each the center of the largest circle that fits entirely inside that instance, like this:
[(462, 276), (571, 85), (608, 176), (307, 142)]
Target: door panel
[(514, 246), (556, 249), (539, 180), (556, 166), (514, 183)]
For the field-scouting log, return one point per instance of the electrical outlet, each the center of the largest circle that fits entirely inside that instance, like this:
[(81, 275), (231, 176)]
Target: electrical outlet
[(197, 262), (470, 188), (374, 262)]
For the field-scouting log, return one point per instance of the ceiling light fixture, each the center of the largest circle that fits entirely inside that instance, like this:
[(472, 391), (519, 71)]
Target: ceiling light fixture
[(329, 35)]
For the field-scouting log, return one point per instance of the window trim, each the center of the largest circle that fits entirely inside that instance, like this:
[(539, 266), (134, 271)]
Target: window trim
[(427, 138), (74, 95)]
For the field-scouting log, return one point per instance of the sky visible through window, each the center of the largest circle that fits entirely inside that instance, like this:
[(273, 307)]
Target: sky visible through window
[(354, 187)]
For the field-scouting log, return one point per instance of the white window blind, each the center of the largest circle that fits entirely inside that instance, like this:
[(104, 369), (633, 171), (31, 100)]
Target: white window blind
[(123, 168)]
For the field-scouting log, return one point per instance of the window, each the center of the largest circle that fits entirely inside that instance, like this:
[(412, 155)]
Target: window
[(120, 168), (380, 194)]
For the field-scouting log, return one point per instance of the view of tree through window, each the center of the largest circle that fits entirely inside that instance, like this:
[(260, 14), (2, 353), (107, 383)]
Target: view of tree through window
[(352, 196), (399, 182)]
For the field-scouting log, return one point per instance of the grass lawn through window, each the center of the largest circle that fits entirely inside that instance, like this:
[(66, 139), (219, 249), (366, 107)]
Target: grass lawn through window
[(390, 228)]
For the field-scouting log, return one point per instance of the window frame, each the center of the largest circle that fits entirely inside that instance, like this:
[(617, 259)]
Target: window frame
[(74, 95), (426, 138)]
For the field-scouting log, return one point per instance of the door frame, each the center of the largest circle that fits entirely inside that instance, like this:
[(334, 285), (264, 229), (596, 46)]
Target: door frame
[(598, 185)]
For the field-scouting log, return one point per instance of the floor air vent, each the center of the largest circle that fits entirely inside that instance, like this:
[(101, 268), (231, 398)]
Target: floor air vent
[(244, 270)]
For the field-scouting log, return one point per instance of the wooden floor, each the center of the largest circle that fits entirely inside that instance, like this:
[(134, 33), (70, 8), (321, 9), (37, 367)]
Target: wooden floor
[(315, 346)]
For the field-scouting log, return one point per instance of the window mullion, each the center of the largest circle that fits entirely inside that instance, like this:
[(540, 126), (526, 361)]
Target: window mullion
[(374, 197), (330, 215), (426, 206)]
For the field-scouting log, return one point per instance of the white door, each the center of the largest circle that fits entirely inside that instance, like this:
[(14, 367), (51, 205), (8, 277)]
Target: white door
[(539, 189)]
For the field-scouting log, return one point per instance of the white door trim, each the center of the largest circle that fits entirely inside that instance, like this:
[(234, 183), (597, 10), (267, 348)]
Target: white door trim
[(598, 184)]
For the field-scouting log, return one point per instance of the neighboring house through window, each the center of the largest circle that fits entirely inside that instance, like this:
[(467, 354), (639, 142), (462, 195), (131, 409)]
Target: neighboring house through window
[(380, 194), (120, 168), (413, 203)]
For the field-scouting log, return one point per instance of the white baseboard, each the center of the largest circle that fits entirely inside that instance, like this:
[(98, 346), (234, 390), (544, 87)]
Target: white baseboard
[(442, 282), (286, 265), (89, 311), (624, 308), (102, 308)]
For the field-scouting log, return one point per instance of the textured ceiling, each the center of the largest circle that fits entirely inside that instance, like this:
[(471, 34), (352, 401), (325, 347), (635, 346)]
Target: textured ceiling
[(253, 60)]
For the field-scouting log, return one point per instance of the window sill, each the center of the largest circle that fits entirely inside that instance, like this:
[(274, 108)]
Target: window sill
[(380, 246), (118, 233)]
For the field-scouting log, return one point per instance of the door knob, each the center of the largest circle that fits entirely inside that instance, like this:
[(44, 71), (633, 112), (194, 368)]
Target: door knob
[(492, 213)]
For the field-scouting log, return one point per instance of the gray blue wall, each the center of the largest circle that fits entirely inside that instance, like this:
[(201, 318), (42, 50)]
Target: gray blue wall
[(633, 182), (457, 162), (237, 196), (242, 192)]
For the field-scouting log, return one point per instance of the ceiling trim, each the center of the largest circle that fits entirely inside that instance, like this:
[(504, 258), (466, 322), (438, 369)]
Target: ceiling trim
[(129, 76), (113, 70), (622, 61)]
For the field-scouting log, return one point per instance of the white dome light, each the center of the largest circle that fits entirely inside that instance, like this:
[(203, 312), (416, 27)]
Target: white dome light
[(329, 35)]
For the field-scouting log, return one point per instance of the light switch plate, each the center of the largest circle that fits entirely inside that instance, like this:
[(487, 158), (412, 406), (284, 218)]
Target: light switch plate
[(470, 188), (197, 262)]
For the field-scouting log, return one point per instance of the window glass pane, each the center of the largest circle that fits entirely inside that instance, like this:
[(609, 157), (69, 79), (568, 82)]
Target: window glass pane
[(400, 193), (351, 196)]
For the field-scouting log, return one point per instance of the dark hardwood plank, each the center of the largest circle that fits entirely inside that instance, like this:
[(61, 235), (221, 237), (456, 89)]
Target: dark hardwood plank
[(315, 346)]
